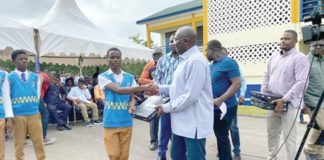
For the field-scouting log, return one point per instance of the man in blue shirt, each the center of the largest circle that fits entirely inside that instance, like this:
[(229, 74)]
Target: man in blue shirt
[(55, 98), (225, 79)]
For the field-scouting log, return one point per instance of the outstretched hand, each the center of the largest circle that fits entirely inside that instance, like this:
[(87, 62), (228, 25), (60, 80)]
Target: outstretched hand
[(151, 89)]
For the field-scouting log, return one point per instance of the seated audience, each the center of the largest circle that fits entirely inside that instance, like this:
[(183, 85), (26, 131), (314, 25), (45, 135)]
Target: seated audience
[(55, 98), (69, 83), (81, 98)]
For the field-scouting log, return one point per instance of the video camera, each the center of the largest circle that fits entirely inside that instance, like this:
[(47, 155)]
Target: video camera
[(315, 31)]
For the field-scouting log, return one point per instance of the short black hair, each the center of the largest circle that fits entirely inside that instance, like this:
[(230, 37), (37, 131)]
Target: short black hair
[(15, 53), (81, 80), (294, 33), (113, 49), (215, 44), (69, 79)]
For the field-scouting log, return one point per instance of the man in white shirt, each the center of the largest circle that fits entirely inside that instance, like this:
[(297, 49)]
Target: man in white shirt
[(81, 98), (191, 100), (25, 93)]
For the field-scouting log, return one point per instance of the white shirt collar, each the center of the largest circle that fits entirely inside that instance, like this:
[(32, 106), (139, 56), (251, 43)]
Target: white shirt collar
[(285, 53), (20, 72), (111, 72), (189, 52)]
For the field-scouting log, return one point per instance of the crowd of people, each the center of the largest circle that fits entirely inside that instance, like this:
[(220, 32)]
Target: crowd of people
[(198, 88)]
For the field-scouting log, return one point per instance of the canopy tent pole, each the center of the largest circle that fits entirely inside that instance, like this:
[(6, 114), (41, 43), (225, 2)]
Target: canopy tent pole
[(80, 63), (37, 46)]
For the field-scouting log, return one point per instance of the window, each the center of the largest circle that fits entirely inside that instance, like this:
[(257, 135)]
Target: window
[(307, 7), (199, 38)]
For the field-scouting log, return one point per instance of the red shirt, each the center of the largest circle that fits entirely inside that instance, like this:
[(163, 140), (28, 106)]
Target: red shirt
[(45, 83)]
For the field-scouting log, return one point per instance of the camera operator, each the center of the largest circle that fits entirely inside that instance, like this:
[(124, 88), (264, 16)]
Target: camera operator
[(285, 75), (314, 149)]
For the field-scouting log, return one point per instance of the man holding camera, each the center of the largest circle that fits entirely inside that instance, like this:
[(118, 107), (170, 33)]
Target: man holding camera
[(314, 149), (285, 75)]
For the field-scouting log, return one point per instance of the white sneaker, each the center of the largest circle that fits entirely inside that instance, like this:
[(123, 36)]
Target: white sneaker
[(97, 122), (28, 143), (88, 124), (48, 141)]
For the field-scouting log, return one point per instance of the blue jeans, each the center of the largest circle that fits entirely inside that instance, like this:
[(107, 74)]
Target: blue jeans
[(44, 115), (165, 134), (235, 135), (221, 129), (183, 148), (154, 129)]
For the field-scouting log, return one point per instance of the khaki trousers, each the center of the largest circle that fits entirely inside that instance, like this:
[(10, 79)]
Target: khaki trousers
[(282, 122), (314, 134), (117, 142), (31, 125), (92, 106), (2, 138)]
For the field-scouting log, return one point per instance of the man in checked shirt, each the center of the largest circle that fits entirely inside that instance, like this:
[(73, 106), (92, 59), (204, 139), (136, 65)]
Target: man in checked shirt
[(164, 75)]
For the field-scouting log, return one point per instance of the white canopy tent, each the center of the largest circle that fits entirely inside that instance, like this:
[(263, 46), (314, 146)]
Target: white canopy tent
[(65, 29), (16, 35)]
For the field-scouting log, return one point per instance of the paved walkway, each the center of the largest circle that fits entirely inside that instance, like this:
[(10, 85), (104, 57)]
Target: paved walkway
[(87, 143)]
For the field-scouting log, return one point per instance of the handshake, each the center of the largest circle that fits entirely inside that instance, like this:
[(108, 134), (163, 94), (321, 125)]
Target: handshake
[(149, 89)]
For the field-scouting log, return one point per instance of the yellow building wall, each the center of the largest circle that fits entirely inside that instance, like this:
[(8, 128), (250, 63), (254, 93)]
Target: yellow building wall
[(170, 24)]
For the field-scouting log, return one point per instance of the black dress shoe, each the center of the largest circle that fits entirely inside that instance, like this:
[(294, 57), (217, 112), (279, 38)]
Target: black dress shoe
[(67, 127), (153, 146), (60, 128)]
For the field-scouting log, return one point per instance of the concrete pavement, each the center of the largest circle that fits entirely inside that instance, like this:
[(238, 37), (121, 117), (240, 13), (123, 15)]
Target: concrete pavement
[(83, 143)]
